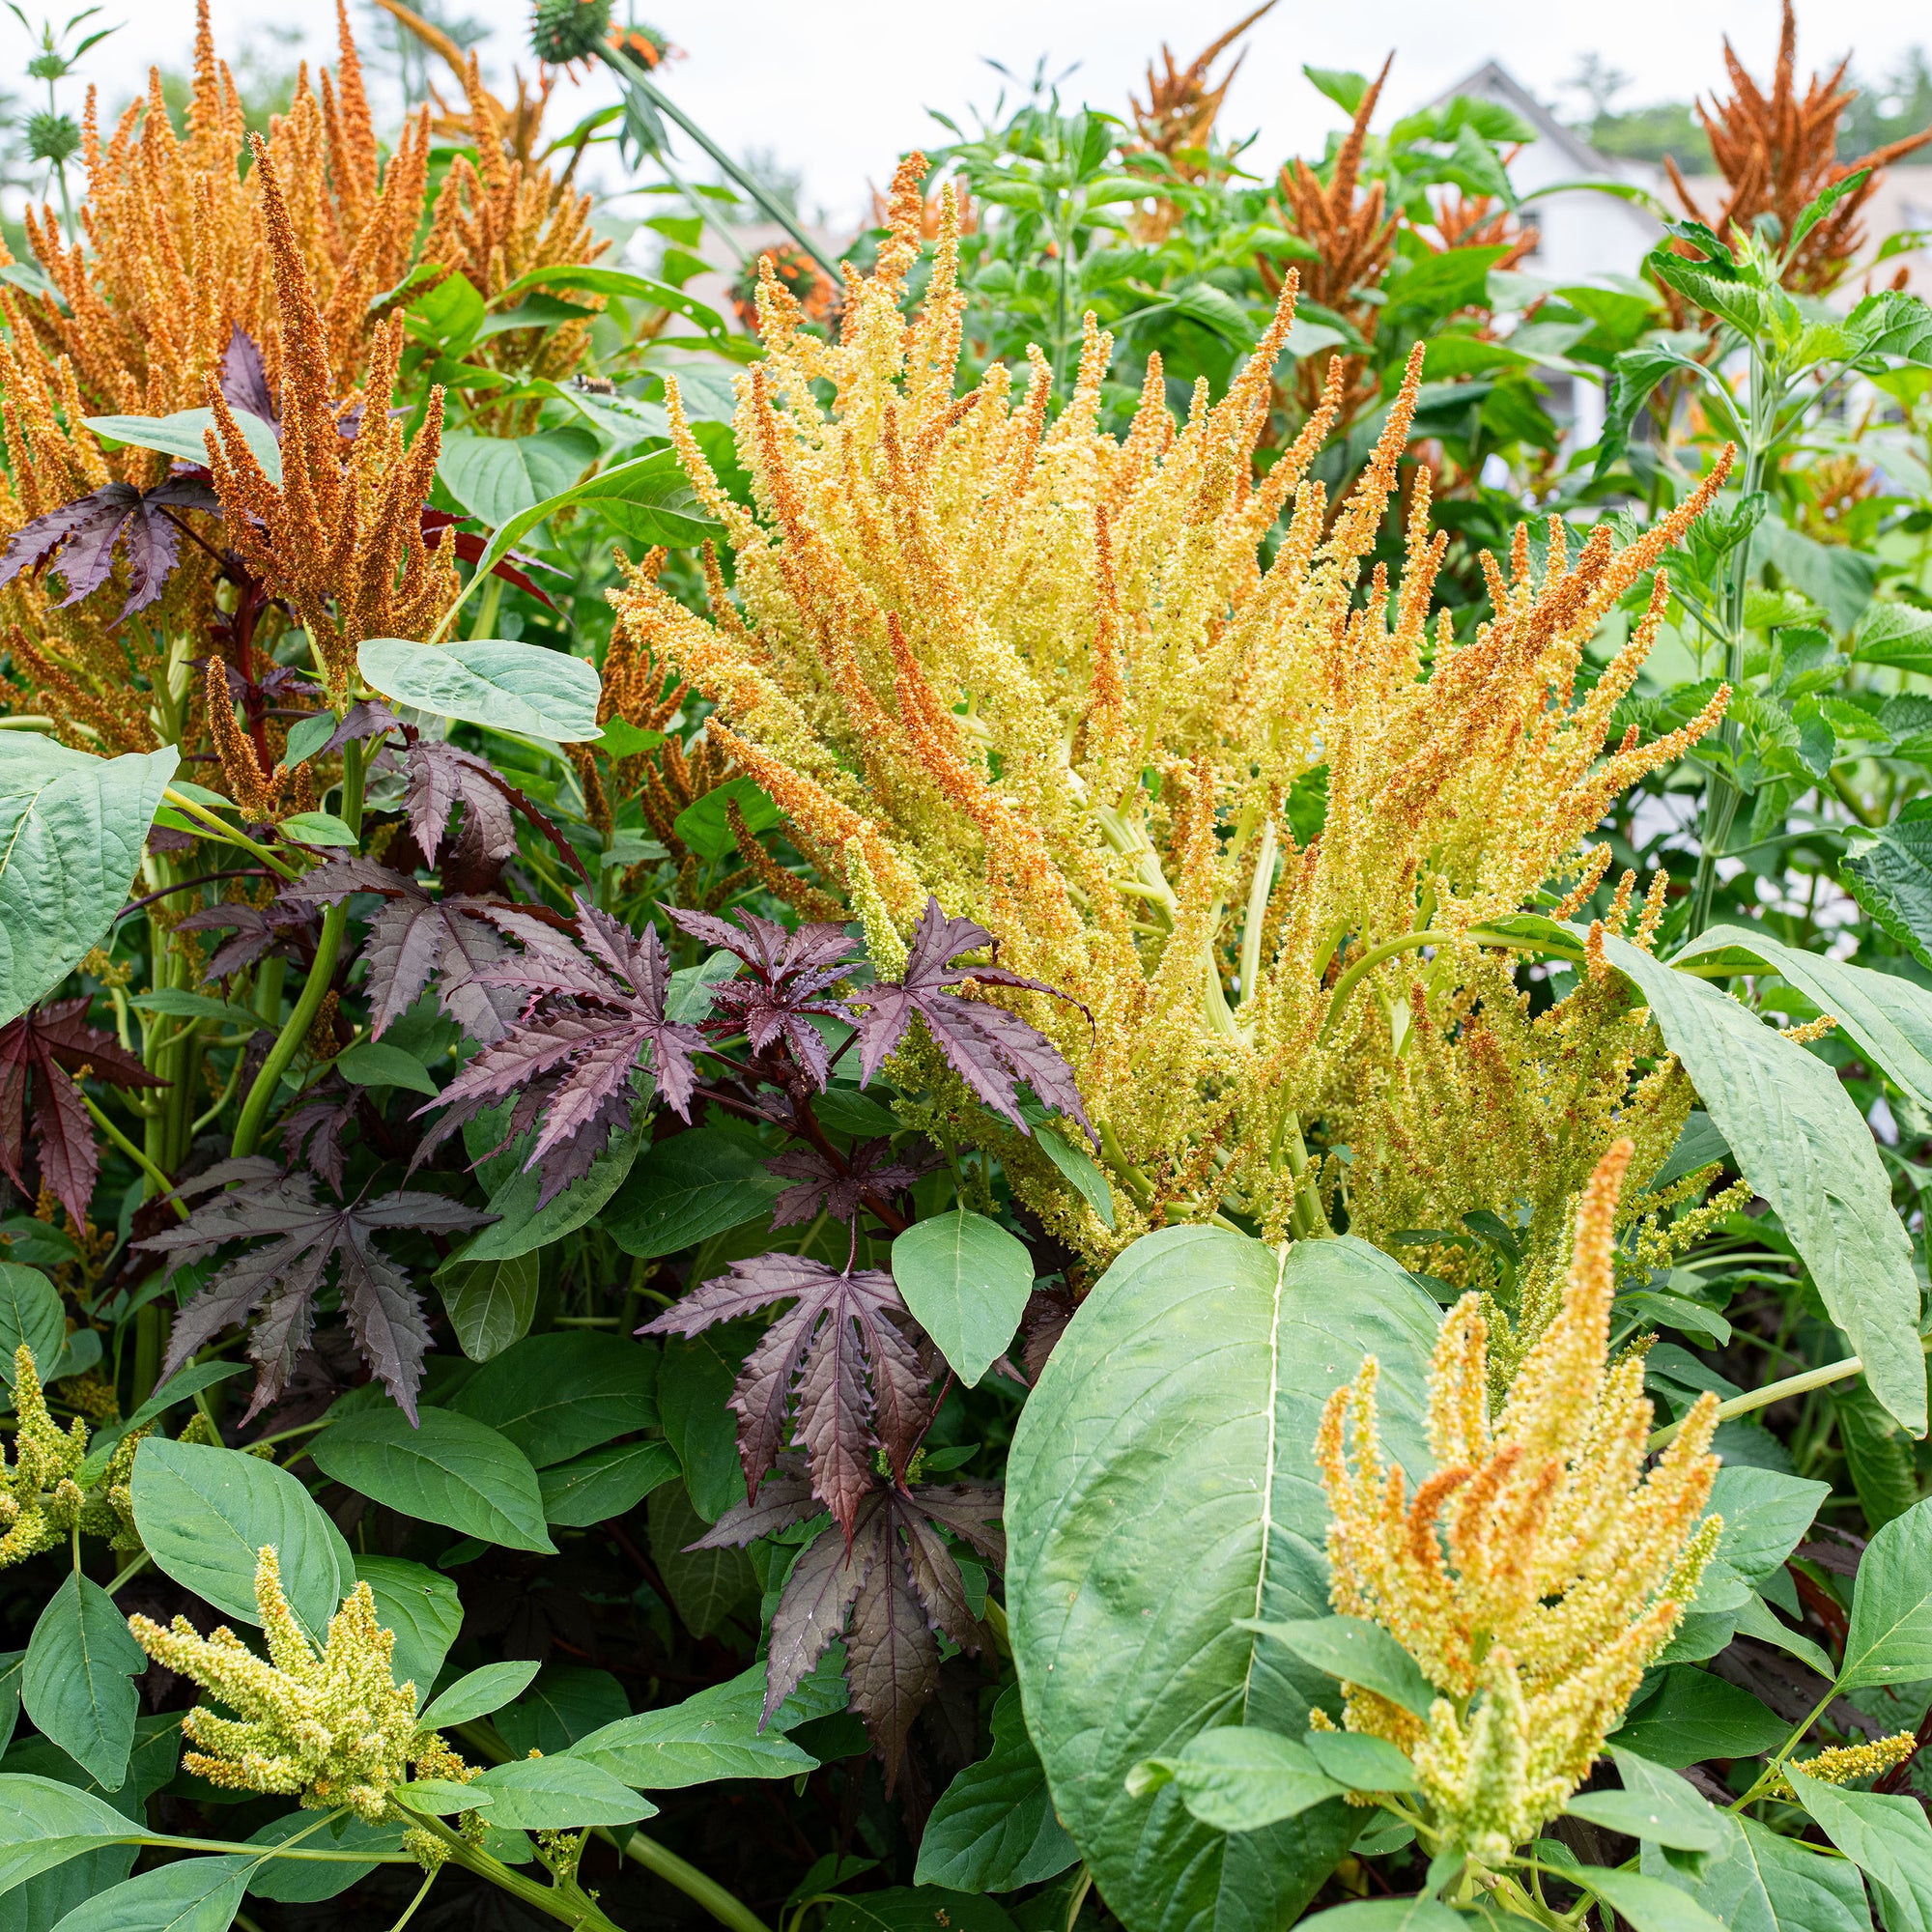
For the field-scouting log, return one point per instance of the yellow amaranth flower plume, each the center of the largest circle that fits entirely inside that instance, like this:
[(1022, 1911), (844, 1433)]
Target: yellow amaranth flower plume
[(335, 1729), (1045, 675), (1841, 1764), (41, 1501), (1538, 1568)]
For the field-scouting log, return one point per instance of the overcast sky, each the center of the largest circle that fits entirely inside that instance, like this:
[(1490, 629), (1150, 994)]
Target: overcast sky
[(837, 88)]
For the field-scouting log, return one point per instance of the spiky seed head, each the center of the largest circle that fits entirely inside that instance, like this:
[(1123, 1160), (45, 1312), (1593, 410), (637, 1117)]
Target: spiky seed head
[(562, 31)]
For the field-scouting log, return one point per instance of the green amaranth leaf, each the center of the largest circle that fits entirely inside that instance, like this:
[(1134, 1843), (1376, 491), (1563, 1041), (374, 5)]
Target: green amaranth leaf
[(421, 1605), (1800, 1141), (1890, 1640), (78, 1680), (452, 1470), (204, 1515), (557, 1394), (967, 1280), (509, 686), (710, 1735), (684, 1189), (491, 1304), (1135, 1548), (993, 1828), (72, 833)]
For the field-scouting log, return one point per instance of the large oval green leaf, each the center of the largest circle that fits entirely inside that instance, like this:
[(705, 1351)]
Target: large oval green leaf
[(451, 1469), (967, 1280), (493, 681), (43, 1823), (422, 1606), (521, 1226), (184, 435), (557, 1394), (31, 1311), (1888, 1016), (204, 1515), (71, 828), (498, 477), (688, 1188), (188, 1895), (1162, 1485), (1800, 1141), (77, 1682)]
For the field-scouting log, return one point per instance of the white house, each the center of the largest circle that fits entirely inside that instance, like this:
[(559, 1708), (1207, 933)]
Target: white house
[(1584, 235)]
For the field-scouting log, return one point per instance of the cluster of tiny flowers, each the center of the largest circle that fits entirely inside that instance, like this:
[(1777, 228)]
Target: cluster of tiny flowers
[(334, 1729), (1069, 682), (1841, 1764), (41, 1499), (1539, 1566)]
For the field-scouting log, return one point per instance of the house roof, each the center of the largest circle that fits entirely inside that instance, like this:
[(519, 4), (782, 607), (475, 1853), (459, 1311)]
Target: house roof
[(1493, 81)]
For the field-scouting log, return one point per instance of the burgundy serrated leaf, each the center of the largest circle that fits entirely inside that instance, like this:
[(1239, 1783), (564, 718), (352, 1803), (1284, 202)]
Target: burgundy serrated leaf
[(415, 939), (886, 1591), (40, 1053), (836, 1364), (513, 567), (991, 1049), (244, 381), (594, 1026), (298, 1235), (790, 972), (438, 775), (826, 1187), (368, 717), (79, 539), (279, 927), (312, 1134)]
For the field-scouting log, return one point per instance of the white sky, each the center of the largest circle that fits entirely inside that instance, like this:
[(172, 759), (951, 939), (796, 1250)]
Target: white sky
[(839, 87)]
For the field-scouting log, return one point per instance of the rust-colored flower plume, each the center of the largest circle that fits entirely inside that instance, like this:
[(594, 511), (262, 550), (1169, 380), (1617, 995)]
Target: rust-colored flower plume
[(1778, 151), (340, 537)]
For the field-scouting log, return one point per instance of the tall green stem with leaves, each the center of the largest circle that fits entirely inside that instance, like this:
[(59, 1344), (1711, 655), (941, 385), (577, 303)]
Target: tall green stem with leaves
[(315, 988), (1720, 791)]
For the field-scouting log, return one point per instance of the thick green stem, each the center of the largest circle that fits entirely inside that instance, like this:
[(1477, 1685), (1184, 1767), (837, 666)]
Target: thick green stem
[(563, 1902), (635, 78), (1410, 942), (484, 622), (217, 828), (315, 988), (1720, 795), (722, 1905), (1763, 1398), (147, 1351), (295, 1030), (162, 1183)]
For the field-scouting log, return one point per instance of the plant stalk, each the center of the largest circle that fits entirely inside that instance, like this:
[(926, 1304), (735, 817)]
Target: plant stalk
[(1763, 1398), (635, 78), (315, 988), (1720, 795)]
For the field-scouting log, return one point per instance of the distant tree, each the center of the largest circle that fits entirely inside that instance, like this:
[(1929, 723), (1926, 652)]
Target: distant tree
[(1890, 109), (1667, 128)]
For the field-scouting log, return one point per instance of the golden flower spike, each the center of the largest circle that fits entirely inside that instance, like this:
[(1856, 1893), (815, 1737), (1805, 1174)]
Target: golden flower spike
[(1539, 1566), (332, 1729), (1040, 671), (340, 537)]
